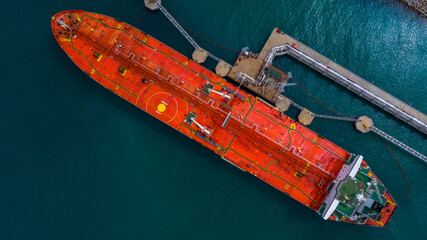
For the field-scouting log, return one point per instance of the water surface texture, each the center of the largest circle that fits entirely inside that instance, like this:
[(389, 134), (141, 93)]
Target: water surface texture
[(78, 162)]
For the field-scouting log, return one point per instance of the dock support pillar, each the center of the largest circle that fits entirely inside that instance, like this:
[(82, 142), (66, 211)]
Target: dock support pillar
[(152, 4), (364, 124), (305, 117), (200, 55), (223, 68), (283, 103)]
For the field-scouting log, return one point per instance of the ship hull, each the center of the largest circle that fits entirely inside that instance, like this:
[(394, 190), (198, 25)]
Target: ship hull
[(243, 129)]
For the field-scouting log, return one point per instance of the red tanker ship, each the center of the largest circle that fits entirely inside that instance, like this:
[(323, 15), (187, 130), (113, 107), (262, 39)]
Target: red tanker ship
[(243, 129)]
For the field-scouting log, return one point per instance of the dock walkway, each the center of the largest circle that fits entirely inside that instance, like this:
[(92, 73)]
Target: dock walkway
[(280, 43), (399, 144)]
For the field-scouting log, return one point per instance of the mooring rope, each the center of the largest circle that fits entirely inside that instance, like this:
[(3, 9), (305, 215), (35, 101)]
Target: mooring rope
[(143, 14), (400, 166)]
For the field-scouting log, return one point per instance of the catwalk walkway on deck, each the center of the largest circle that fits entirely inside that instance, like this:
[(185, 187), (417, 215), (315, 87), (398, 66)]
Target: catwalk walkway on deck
[(280, 43)]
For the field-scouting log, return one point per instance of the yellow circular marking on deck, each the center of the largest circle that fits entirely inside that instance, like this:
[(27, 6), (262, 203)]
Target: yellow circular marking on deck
[(154, 101), (161, 107)]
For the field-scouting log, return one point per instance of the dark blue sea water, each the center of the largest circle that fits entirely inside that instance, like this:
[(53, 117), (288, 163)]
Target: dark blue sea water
[(78, 162)]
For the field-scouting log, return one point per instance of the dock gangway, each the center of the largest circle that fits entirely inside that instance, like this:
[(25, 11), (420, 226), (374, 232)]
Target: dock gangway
[(176, 24), (182, 31), (399, 143)]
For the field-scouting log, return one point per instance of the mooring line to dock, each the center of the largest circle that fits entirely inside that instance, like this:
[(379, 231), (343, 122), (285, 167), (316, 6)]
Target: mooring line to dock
[(400, 166), (139, 20)]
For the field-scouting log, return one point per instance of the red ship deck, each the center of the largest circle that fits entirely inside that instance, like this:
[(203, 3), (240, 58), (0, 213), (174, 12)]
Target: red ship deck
[(244, 130)]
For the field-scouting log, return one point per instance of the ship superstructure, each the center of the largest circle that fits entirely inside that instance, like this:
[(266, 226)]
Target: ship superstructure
[(243, 129)]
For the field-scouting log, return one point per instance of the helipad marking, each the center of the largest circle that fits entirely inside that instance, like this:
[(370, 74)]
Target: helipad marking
[(161, 107), (176, 104)]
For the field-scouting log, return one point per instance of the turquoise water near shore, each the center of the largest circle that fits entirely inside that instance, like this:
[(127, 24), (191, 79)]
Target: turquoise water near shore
[(78, 162)]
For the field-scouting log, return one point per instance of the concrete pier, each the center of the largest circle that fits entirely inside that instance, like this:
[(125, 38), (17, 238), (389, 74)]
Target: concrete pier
[(280, 43)]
